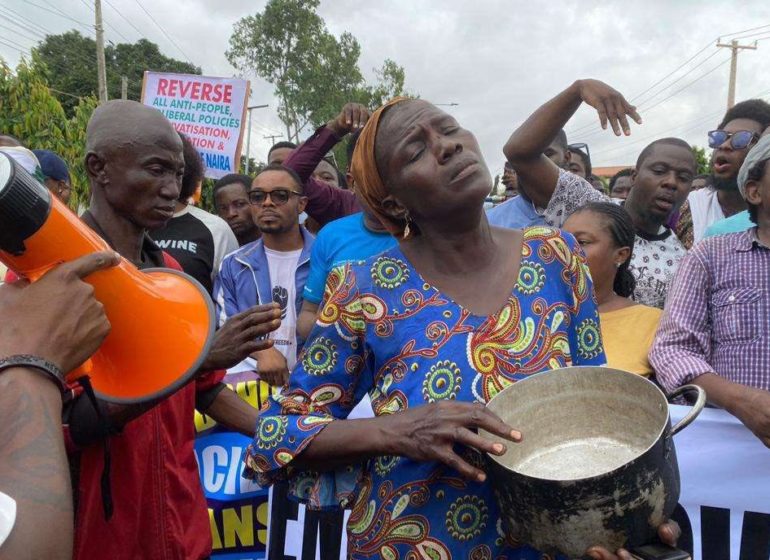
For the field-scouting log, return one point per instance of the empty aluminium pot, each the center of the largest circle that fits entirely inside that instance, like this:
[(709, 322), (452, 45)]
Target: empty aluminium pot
[(597, 464)]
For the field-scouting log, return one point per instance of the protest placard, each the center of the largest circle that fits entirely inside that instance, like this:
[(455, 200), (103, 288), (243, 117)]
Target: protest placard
[(209, 111)]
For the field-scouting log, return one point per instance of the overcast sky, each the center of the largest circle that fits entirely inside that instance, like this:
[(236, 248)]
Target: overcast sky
[(497, 59)]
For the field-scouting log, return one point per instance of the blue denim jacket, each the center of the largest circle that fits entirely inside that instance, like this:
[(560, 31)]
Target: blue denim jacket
[(244, 279)]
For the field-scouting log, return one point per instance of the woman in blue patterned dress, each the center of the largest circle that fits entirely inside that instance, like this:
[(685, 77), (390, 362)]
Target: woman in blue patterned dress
[(430, 330)]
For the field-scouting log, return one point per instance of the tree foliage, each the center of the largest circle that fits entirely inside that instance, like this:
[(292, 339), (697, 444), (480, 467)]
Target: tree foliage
[(701, 160), (30, 112), (70, 62), (314, 72)]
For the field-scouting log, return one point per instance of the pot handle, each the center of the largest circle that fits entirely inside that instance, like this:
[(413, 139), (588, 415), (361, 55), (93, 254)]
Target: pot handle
[(700, 403)]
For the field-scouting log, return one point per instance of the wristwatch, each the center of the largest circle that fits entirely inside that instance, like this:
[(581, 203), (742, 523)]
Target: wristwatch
[(38, 363)]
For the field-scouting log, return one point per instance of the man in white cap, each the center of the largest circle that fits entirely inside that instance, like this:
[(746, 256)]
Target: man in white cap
[(715, 331)]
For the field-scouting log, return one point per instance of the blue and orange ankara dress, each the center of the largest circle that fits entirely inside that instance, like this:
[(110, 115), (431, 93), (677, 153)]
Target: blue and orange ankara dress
[(386, 332)]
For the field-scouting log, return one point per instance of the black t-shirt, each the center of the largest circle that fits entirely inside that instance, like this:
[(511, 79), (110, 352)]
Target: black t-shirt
[(199, 241)]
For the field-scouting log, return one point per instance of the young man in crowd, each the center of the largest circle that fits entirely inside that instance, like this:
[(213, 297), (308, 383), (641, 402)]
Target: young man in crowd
[(702, 181), (280, 152), (621, 183), (56, 174), (196, 239), (661, 182), (520, 211), (715, 331), (149, 504), (578, 162), (231, 200), (327, 172), (510, 181), (272, 269), (739, 130), (355, 237)]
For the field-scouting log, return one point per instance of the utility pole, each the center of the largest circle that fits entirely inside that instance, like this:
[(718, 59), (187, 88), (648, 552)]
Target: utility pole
[(273, 137), (124, 87), (101, 69), (248, 136), (735, 47)]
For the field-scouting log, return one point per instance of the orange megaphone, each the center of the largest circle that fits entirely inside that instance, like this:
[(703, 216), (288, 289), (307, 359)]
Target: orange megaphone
[(162, 320)]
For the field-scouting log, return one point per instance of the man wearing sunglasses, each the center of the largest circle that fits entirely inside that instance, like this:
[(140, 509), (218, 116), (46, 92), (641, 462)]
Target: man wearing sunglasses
[(738, 132), (273, 268)]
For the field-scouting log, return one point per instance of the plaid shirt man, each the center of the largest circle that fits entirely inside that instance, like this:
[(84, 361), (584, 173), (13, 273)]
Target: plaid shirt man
[(717, 318)]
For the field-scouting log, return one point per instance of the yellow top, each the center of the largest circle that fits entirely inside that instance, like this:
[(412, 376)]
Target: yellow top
[(628, 334)]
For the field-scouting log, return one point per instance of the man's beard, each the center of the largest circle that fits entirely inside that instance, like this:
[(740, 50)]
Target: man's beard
[(721, 184)]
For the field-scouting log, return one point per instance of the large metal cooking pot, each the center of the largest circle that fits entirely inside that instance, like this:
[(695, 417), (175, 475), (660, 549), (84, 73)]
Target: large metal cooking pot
[(597, 464)]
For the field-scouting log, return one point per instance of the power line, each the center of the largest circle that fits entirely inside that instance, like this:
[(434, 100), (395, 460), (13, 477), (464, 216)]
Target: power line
[(125, 18), (592, 124), (17, 32), (163, 31), (60, 14), (117, 32), (599, 130), (746, 31), (717, 67), (22, 18), (22, 51), (690, 71), (690, 124)]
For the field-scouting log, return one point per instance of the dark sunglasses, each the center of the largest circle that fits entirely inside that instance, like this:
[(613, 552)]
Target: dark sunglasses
[(580, 146), (279, 197), (738, 140)]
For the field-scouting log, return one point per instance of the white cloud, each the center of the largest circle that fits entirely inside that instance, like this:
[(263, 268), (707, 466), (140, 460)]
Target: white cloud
[(498, 59)]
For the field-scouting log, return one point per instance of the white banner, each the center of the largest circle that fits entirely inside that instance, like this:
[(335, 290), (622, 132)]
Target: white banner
[(725, 472), (209, 111)]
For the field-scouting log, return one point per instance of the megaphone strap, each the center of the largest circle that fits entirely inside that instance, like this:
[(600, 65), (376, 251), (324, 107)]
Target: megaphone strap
[(106, 481)]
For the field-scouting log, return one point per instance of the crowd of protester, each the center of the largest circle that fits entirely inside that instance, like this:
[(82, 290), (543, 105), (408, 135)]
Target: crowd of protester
[(385, 282)]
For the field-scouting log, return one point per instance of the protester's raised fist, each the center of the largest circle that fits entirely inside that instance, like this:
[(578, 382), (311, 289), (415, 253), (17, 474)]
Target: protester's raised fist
[(57, 317), (352, 117), (610, 104)]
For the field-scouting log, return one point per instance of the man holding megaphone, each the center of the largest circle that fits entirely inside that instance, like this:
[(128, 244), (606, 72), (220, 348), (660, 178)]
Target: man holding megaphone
[(137, 488)]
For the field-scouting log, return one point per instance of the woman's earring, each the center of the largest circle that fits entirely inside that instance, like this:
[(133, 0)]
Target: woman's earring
[(407, 231)]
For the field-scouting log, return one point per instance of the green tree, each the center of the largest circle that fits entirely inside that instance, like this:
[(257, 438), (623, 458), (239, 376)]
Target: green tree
[(30, 112), (70, 62), (701, 160), (314, 72)]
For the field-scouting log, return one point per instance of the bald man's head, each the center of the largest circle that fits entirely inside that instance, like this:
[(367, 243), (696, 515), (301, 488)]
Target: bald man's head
[(134, 162), (121, 125)]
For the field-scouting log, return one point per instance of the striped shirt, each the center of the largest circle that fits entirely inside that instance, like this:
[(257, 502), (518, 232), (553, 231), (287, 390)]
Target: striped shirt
[(717, 318)]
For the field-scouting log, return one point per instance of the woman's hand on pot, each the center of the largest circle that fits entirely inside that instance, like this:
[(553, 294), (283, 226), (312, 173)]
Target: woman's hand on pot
[(668, 532), (430, 433)]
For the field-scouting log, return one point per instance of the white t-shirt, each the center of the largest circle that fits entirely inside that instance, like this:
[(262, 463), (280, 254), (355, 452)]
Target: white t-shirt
[(7, 516), (283, 283), (705, 210)]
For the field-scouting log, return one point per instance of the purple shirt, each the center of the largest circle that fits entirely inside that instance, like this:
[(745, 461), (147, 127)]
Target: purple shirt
[(324, 203), (717, 318)]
